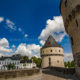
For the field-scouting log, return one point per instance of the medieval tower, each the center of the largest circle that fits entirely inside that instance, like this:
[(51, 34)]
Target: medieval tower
[(52, 54), (70, 10)]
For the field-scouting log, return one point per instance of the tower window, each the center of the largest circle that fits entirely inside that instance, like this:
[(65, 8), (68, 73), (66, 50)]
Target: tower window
[(51, 50), (77, 23), (49, 62), (59, 50), (65, 3), (72, 41), (57, 61)]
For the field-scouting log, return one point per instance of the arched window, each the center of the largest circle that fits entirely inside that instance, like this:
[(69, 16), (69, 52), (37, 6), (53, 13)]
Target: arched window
[(65, 3), (72, 41), (77, 23), (78, 8), (70, 17)]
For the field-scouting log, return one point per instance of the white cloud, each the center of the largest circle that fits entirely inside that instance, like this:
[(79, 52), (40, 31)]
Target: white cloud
[(26, 35), (42, 42), (20, 29), (10, 24), (68, 57), (13, 46), (4, 46), (36, 56), (4, 42), (1, 19), (28, 50), (5, 50), (54, 27)]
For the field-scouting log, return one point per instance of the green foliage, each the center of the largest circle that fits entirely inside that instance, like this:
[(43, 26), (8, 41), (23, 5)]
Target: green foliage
[(37, 61), (11, 66), (69, 64), (25, 58), (24, 64)]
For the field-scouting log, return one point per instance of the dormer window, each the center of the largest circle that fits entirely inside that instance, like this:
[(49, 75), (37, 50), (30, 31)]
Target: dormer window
[(65, 3)]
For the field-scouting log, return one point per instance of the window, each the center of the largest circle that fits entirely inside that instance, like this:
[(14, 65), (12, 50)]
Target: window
[(65, 3), (58, 61), (59, 51), (51, 50), (72, 41), (77, 23), (49, 62), (70, 17)]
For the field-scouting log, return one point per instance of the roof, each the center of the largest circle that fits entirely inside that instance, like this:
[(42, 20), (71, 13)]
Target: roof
[(51, 42), (27, 61), (12, 58)]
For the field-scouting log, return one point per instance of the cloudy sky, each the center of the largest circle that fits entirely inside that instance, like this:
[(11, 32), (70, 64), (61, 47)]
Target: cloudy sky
[(26, 24)]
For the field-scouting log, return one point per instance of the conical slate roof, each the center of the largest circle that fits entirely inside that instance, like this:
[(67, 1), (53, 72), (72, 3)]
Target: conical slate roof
[(51, 42)]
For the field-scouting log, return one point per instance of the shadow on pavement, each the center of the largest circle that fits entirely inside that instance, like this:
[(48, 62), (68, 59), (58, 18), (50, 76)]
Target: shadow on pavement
[(60, 74)]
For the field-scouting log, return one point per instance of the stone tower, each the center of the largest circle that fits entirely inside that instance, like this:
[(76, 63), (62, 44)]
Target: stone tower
[(70, 10), (52, 54)]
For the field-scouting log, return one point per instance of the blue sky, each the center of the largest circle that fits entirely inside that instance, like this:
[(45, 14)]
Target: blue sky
[(22, 23)]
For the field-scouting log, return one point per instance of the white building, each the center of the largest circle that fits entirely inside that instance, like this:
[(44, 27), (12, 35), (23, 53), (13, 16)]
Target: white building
[(5, 61), (27, 64), (16, 60)]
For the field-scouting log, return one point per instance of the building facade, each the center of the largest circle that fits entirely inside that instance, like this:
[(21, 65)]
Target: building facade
[(27, 64), (17, 62), (70, 10), (52, 54), (5, 61)]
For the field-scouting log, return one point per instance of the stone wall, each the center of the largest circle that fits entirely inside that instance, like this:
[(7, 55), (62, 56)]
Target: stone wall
[(70, 10), (64, 70), (18, 73)]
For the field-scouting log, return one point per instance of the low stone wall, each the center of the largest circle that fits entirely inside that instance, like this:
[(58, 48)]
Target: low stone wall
[(64, 70), (18, 73)]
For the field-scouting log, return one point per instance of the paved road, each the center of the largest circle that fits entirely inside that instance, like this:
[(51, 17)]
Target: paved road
[(53, 75), (46, 75)]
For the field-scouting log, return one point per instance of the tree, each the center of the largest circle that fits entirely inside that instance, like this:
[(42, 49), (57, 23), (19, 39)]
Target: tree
[(69, 64), (65, 63), (25, 58), (24, 64), (37, 61), (72, 64), (11, 66)]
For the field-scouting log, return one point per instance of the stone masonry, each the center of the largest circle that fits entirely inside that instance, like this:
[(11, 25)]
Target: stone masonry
[(70, 10)]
